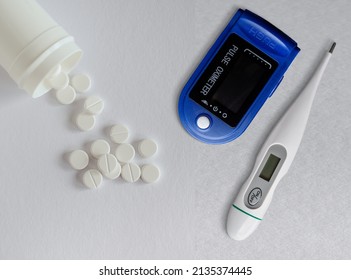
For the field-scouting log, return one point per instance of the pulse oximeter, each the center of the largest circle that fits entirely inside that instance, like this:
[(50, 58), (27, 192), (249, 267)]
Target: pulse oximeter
[(238, 74)]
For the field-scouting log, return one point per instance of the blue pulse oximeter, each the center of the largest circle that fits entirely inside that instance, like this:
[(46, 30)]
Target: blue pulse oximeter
[(238, 74)]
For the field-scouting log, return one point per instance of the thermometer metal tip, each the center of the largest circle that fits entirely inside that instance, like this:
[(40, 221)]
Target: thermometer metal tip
[(332, 47)]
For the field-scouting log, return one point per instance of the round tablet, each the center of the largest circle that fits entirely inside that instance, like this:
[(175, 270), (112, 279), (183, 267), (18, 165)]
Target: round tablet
[(99, 147), (147, 148), (66, 95), (125, 153), (81, 82), (115, 174), (93, 105), (130, 172), (119, 133), (59, 81), (85, 121), (150, 173), (92, 179), (107, 164), (78, 159)]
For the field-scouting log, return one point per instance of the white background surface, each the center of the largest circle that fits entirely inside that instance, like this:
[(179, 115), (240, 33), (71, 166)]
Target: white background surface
[(140, 54)]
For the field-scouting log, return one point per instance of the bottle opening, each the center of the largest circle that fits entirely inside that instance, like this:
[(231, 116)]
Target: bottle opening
[(67, 57)]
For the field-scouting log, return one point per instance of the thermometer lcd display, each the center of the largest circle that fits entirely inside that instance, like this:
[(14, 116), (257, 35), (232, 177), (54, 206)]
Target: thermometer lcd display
[(269, 167), (233, 79)]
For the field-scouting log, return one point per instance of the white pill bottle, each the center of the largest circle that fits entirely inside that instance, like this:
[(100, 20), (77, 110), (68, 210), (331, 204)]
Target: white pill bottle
[(33, 45)]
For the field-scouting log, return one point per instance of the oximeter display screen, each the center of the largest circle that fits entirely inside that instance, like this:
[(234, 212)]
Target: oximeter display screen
[(269, 167), (233, 80)]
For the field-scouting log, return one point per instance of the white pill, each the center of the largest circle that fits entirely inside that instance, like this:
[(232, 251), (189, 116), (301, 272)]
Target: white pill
[(85, 121), (150, 173), (147, 148), (99, 147), (108, 164), (81, 82), (115, 174), (59, 81), (93, 105), (119, 133), (78, 159), (130, 172), (66, 95), (92, 179), (125, 153)]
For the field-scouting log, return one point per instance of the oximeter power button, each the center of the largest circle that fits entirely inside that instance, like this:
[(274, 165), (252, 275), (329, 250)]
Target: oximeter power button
[(203, 122)]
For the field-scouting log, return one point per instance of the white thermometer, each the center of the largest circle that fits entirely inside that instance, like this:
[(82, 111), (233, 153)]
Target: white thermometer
[(273, 161)]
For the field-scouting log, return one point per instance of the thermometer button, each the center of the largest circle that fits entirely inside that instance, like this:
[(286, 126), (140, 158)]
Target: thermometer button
[(203, 122), (254, 196)]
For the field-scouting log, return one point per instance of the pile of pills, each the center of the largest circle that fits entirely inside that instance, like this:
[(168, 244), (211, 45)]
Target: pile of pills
[(116, 162), (66, 89), (109, 163)]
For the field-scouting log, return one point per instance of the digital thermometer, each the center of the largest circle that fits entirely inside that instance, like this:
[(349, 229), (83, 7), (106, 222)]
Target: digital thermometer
[(273, 161), (241, 70)]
